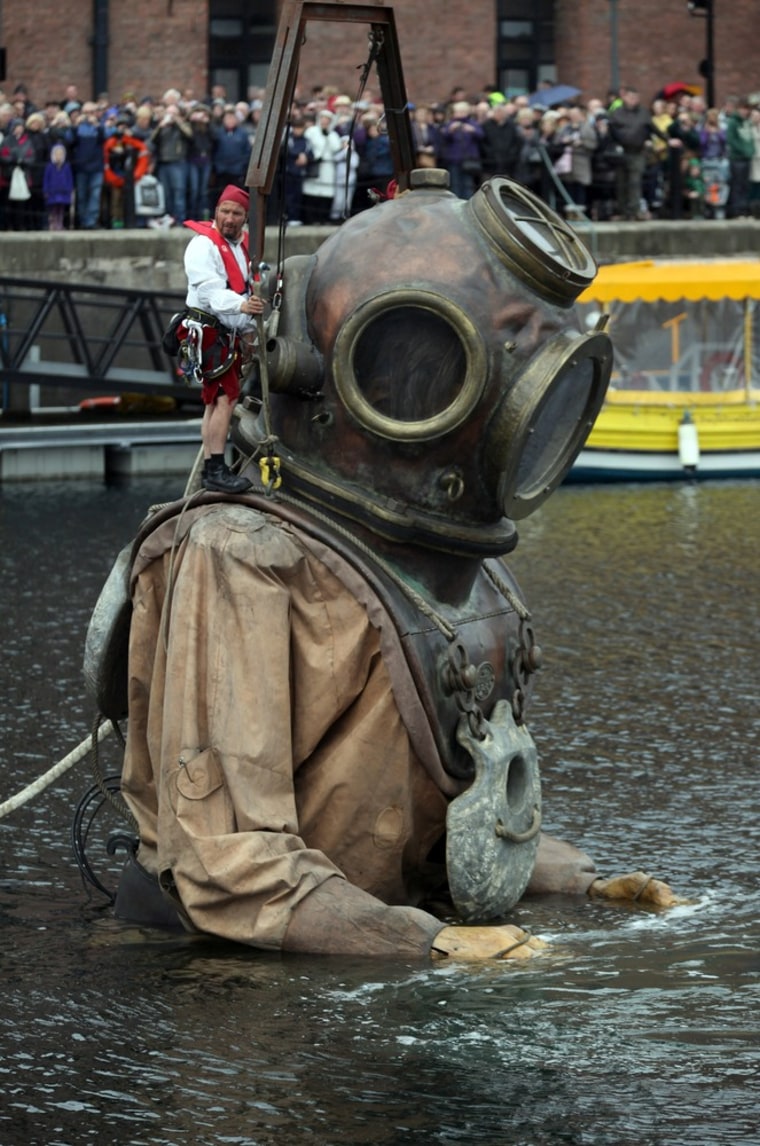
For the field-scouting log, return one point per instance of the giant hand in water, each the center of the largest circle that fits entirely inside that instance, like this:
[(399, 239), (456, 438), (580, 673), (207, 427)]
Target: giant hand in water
[(637, 887)]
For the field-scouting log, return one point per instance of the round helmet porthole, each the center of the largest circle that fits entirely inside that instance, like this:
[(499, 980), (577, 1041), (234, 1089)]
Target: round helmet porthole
[(409, 365)]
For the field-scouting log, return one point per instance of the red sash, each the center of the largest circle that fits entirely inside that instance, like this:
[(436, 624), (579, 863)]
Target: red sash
[(235, 278)]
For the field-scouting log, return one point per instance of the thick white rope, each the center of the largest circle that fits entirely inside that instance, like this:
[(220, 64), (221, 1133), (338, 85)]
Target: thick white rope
[(44, 781)]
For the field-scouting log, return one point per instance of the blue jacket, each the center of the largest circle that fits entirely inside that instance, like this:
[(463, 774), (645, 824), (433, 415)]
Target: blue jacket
[(232, 150), (87, 147), (376, 157)]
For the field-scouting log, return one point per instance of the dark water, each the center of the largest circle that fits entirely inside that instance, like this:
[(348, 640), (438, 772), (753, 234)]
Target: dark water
[(638, 1027)]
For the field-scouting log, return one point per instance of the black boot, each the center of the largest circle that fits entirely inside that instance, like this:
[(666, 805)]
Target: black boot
[(220, 479)]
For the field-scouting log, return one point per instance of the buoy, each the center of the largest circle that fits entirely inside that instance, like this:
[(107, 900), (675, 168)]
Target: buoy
[(100, 405), (688, 442)]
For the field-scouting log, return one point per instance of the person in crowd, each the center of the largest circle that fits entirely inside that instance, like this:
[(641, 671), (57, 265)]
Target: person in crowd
[(754, 169), (501, 142), (218, 94), (346, 172), (57, 187), (740, 145), (17, 155), (199, 161), (366, 184), (218, 108), (297, 159), (551, 147), (319, 185), (425, 136), (530, 165), (693, 189), (684, 147), (126, 159), (715, 165), (481, 110), (170, 145), (23, 105), (343, 114), (87, 165), (685, 127), (655, 182), (143, 122), (605, 161), (246, 117), (697, 105), (36, 130), (6, 116), (231, 150), (439, 113), (631, 126), (712, 136), (580, 140), (71, 101), (457, 94), (461, 140), (221, 311), (376, 165), (60, 129)]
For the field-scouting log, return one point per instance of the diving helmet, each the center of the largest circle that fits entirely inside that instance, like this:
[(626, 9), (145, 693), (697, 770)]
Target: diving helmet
[(429, 378)]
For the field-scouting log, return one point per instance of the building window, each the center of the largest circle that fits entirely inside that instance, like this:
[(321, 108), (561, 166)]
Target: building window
[(525, 45), (241, 42)]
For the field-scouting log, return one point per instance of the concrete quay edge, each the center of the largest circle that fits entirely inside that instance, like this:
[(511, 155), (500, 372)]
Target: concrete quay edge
[(153, 258)]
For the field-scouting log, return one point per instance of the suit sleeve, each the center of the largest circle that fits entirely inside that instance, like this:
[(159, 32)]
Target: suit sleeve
[(219, 733)]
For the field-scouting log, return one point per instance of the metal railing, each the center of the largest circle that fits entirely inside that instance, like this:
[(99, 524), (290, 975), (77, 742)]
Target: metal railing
[(89, 337)]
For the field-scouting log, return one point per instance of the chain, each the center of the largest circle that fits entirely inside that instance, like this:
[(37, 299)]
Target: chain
[(458, 679), (528, 657)]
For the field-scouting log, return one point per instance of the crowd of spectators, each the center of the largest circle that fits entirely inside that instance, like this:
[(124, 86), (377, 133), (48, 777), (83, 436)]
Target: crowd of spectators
[(87, 164)]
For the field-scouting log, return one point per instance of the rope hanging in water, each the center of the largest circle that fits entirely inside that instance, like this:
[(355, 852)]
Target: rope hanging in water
[(49, 777)]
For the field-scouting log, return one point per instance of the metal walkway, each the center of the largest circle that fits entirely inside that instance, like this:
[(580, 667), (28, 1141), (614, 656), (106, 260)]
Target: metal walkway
[(98, 339)]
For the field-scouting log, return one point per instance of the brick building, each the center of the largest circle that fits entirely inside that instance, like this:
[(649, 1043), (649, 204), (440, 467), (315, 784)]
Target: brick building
[(144, 47)]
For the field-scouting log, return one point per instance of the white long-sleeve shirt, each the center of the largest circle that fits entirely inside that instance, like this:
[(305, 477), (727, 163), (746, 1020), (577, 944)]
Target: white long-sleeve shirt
[(207, 287)]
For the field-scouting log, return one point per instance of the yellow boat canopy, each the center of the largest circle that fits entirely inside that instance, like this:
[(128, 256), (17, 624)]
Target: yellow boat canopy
[(650, 281)]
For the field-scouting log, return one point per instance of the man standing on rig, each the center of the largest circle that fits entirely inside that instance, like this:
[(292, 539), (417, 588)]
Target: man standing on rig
[(221, 313)]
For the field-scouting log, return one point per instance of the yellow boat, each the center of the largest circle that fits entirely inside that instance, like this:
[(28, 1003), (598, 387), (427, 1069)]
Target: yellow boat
[(683, 399)]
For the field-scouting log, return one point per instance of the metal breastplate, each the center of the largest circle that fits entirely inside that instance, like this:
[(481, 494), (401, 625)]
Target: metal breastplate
[(472, 680)]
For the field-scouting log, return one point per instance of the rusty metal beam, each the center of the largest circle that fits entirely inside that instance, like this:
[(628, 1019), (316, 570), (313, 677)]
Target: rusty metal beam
[(281, 84)]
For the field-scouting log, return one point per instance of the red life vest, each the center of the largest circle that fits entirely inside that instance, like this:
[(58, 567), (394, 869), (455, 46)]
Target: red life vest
[(235, 278)]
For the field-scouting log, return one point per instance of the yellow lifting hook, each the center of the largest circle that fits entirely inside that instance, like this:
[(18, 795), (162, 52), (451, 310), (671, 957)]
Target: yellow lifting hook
[(270, 472)]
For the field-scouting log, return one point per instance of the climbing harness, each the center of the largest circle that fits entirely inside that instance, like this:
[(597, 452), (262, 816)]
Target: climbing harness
[(190, 353)]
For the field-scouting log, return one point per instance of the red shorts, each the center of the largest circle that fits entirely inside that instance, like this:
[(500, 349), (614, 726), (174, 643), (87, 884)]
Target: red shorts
[(216, 348)]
